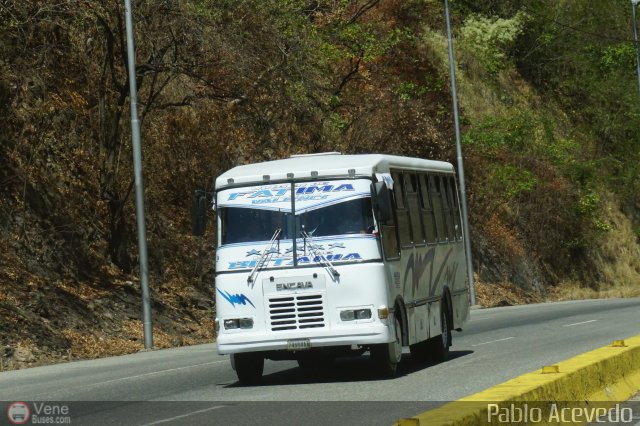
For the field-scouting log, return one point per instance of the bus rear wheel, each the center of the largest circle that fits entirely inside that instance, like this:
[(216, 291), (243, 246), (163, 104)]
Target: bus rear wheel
[(439, 345), (249, 367), (387, 356)]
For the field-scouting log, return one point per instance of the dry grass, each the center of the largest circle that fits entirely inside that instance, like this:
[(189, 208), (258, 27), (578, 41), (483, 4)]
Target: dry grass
[(573, 291), (82, 291), (490, 295), (618, 254), (503, 238), (507, 294), (90, 345), (97, 345)]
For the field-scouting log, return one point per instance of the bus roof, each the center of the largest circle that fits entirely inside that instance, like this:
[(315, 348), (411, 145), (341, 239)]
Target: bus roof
[(333, 164)]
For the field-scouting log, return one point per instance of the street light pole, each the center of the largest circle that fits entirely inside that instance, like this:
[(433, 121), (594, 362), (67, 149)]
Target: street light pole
[(137, 168), (463, 194), (634, 6)]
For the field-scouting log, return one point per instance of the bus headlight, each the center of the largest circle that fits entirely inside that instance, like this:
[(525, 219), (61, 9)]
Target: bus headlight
[(245, 323), (362, 314), (355, 314), (235, 323), (230, 324), (347, 315)]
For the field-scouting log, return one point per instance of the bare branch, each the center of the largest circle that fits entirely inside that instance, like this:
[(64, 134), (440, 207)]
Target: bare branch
[(355, 68), (110, 38), (362, 10), (186, 101)]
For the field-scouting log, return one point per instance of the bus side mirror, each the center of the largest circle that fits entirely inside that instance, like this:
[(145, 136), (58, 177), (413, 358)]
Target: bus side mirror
[(199, 212), (383, 201)]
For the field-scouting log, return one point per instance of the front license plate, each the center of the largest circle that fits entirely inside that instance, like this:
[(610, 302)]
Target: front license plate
[(298, 344)]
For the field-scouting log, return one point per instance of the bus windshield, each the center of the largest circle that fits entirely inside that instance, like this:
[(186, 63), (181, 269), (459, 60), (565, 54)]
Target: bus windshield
[(240, 225), (323, 208)]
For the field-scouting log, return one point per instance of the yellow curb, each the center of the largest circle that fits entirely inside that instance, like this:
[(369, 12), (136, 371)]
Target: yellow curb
[(596, 379)]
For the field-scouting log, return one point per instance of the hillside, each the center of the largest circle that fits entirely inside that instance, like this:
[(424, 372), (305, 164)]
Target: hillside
[(550, 109)]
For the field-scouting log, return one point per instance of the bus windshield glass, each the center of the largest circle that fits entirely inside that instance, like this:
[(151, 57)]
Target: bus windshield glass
[(241, 225), (348, 217), (321, 208)]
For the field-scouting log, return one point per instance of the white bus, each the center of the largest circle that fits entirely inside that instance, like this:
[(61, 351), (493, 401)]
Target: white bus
[(328, 255)]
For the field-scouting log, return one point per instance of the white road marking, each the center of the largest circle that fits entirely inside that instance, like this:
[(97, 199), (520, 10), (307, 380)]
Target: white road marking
[(183, 416), (153, 373), (90, 385), (579, 323), (494, 341)]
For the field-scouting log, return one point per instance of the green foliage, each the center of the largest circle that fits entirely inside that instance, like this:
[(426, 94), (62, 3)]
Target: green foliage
[(513, 181), (516, 132), (491, 38), (365, 42), (407, 90), (577, 56), (621, 56), (590, 207), (205, 9), (331, 52), (337, 122)]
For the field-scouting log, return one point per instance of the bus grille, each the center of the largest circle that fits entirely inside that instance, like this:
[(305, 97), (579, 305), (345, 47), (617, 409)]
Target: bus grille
[(296, 312)]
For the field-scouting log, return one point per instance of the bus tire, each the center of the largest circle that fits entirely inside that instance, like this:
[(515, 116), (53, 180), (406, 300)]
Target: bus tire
[(387, 356), (439, 345), (249, 367)]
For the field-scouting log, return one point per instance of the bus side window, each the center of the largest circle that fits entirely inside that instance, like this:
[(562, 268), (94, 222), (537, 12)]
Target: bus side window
[(447, 207), (397, 190), (402, 215), (389, 230), (428, 218), (436, 200), (413, 204), (455, 209)]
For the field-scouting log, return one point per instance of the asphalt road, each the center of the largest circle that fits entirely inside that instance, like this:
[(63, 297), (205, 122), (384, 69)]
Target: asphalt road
[(194, 385)]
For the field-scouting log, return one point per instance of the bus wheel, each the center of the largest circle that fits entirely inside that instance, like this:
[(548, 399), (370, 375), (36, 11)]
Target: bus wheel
[(386, 357), (439, 345), (249, 367)]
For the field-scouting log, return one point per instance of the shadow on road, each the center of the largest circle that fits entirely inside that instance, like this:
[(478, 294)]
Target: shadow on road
[(345, 370)]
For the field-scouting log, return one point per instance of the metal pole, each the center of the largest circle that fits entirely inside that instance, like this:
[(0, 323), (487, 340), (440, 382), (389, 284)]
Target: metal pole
[(137, 167), (634, 6), (463, 194)]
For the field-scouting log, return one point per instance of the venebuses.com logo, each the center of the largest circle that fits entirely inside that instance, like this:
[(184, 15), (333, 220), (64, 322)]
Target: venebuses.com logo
[(18, 413)]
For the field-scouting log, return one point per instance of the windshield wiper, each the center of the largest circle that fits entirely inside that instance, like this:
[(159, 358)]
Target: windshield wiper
[(275, 238), (326, 262)]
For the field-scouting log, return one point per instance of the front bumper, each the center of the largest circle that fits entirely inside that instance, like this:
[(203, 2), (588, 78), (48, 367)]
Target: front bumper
[(368, 334)]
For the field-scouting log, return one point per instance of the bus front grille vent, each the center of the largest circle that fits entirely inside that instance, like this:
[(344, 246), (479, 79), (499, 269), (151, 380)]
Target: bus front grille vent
[(298, 311)]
